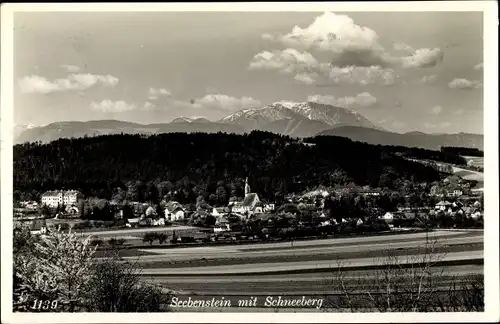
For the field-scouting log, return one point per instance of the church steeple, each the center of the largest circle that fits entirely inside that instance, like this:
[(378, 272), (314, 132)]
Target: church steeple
[(247, 187)]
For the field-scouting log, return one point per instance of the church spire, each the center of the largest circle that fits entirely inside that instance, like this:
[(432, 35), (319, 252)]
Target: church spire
[(247, 187)]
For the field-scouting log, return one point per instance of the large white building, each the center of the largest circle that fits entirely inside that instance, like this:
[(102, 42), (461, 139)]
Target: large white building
[(61, 197)]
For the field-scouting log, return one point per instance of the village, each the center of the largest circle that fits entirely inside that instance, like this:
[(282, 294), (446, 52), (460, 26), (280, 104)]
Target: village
[(448, 204)]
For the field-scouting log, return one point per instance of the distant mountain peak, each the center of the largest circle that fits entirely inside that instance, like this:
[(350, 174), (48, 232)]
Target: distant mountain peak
[(182, 120), (330, 115)]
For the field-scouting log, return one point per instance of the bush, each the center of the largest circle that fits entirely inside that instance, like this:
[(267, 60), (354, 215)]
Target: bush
[(161, 237), (62, 257), (76, 281), (97, 241), (115, 286), (149, 237)]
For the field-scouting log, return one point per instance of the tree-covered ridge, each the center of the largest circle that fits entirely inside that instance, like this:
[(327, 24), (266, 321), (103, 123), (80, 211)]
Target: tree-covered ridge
[(190, 165), (462, 151)]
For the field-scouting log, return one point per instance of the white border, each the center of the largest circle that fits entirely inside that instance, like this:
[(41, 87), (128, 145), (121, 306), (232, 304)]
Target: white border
[(491, 249)]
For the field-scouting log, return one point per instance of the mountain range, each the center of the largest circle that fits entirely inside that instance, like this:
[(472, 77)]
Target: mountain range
[(295, 119)]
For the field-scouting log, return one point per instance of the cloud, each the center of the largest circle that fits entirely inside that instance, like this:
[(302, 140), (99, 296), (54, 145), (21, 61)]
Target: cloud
[(108, 106), (362, 100), (71, 68), (436, 110), (428, 79), (429, 125), (400, 46), (155, 93), (349, 44), (222, 102), (362, 75), (423, 58), (307, 78), (445, 124), (78, 82), (148, 106), (459, 112), (478, 67), (286, 61), (463, 84)]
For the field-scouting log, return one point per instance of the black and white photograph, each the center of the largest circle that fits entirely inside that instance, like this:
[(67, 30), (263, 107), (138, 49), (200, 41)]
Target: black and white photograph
[(271, 163)]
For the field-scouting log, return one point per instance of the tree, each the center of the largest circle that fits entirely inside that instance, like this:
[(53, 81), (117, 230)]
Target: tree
[(149, 237), (115, 286), (128, 212), (161, 237), (60, 267), (163, 188), (46, 211), (57, 269), (120, 195), (221, 195), (210, 221)]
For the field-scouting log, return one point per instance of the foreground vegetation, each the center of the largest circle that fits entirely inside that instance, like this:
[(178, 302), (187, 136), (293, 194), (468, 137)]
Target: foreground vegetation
[(408, 283), (57, 273)]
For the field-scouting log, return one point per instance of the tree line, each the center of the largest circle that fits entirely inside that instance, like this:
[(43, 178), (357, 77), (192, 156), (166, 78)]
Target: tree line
[(467, 151)]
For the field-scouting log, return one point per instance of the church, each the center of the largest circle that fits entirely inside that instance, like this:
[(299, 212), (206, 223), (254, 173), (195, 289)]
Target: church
[(250, 204)]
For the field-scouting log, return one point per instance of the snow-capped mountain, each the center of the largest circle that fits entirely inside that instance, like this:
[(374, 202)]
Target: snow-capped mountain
[(307, 114)]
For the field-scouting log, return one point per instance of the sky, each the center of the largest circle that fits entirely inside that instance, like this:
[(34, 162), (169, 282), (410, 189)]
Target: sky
[(405, 71)]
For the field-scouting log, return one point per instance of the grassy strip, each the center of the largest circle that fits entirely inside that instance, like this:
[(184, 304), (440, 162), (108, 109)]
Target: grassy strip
[(309, 257)]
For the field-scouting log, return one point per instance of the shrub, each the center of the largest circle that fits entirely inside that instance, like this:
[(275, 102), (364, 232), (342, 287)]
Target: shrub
[(61, 267), (97, 241), (149, 237), (56, 268), (161, 237), (115, 286)]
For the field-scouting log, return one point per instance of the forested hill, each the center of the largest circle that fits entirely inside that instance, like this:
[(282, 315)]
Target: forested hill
[(190, 165)]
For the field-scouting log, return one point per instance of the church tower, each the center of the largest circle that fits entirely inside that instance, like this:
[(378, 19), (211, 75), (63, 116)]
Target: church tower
[(247, 187)]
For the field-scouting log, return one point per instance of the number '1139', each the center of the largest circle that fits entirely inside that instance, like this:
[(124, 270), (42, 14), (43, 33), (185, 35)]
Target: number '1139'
[(44, 304)]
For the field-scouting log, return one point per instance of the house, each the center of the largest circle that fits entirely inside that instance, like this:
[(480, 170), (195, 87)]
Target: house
[(133, 222), (269, 207), (388, 217), (259, 208), (234, 201), (174, 211), (443, 205), (159, 222), (477, 214), (455, 193), (221, 225), (218, 211), (31, 205), (369, 192), (61, 197)]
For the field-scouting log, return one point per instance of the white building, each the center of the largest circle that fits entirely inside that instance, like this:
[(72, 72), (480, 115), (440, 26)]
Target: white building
[(61, 197), (174, 211)]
